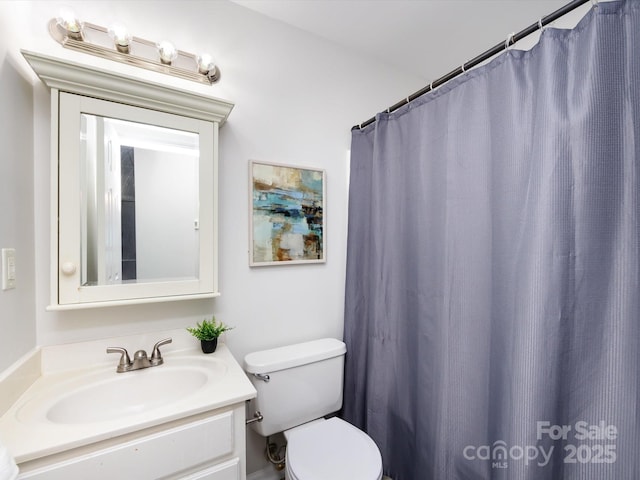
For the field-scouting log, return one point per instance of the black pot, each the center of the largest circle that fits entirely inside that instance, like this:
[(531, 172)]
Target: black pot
[(209, 346)]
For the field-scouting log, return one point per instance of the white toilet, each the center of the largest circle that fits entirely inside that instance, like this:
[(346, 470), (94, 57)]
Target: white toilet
[(297, 386)]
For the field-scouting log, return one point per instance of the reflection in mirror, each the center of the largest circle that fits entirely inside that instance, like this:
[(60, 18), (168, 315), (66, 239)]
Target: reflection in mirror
[(139, 202)]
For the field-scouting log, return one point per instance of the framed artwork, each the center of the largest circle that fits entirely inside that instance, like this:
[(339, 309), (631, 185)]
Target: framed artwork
[(287, 222)]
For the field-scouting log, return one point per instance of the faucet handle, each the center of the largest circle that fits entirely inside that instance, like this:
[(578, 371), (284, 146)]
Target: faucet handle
[(156, 356), (125, 361)]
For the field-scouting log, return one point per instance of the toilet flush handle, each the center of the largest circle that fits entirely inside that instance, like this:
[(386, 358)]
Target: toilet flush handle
[(257, 417), (262, 376)]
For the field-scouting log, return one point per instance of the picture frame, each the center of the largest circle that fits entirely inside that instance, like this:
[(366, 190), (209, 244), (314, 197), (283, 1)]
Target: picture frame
[(287, 222)]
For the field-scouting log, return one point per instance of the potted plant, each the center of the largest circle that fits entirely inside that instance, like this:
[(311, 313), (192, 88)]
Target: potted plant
[(208, 332)]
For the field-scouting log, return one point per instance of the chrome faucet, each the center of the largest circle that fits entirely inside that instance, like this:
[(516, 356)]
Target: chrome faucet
[(140, 359)]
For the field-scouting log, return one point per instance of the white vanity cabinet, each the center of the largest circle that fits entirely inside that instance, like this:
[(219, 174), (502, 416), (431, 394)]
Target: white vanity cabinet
[(94, 423), (208, 446)]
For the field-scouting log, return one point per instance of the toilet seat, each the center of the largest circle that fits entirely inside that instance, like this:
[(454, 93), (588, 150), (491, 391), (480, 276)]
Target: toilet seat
[(331, 449)]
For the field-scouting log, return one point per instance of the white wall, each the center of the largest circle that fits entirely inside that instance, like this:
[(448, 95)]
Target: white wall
[(296, 97), (17, 312)]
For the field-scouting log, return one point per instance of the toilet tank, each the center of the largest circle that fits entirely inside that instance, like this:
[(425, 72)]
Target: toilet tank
[(304, 383)]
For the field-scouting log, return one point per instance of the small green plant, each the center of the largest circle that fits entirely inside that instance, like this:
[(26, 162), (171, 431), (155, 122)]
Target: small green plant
[(208, 329)]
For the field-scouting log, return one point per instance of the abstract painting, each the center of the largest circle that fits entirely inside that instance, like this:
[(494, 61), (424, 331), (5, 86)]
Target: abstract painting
[(287, 214)]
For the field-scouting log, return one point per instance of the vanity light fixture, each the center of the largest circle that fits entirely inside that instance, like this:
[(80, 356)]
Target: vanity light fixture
[(117, 44)]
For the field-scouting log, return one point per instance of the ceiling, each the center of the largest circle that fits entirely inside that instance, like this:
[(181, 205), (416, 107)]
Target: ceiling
[(427, 38)]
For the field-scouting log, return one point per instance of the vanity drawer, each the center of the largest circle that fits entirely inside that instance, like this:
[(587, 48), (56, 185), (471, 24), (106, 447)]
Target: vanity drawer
[(159, 455)]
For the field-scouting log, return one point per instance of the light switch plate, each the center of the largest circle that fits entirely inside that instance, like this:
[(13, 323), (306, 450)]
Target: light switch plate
[(8, 268)]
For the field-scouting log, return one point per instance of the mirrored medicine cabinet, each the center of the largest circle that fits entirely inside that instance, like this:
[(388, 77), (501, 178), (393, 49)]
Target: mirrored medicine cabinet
[(133, 188)]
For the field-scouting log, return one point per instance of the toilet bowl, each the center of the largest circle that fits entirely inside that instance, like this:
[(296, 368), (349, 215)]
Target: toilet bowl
[(331, 449)]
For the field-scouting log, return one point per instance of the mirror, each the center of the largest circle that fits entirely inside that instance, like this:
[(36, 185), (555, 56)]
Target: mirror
[(134, 168), (146, 227)]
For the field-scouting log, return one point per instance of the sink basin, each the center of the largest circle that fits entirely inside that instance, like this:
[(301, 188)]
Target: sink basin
[(107, 395), (125, 395)]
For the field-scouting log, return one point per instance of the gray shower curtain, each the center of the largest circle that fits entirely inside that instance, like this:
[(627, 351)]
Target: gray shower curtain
[(492, 313)]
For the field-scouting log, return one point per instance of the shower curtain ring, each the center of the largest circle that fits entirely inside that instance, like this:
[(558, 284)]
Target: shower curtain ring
[(594, 3), (431, 87), (462, 67), (540, 25), (509, 40)]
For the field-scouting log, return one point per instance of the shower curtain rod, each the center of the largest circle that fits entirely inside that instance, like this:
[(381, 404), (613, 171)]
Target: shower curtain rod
[(511, 39)]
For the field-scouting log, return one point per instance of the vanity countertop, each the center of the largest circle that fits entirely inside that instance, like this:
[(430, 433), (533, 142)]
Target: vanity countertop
[(29, 433)]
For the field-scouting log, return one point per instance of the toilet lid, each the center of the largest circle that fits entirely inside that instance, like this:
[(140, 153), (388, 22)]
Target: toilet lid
[(332, 449)]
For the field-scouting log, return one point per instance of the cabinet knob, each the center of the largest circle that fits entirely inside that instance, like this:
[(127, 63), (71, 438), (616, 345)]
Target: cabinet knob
[(68, 268)]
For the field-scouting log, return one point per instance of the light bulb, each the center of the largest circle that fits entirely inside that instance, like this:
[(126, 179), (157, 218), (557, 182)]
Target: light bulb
[(205, 63), (68, 20), (167, 51), (121, 38)]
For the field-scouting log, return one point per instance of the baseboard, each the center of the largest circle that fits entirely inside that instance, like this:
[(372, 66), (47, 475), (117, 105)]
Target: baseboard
[(267, 473)]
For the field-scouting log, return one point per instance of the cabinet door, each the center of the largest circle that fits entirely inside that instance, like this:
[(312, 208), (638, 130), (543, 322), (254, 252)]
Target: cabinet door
[(137, 209)]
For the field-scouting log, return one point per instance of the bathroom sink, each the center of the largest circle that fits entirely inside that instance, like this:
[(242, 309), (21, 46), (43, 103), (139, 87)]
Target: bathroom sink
[(107, 395)]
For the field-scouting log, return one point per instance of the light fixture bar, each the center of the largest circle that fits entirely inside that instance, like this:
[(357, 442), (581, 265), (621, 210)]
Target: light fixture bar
[(95, 40)]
